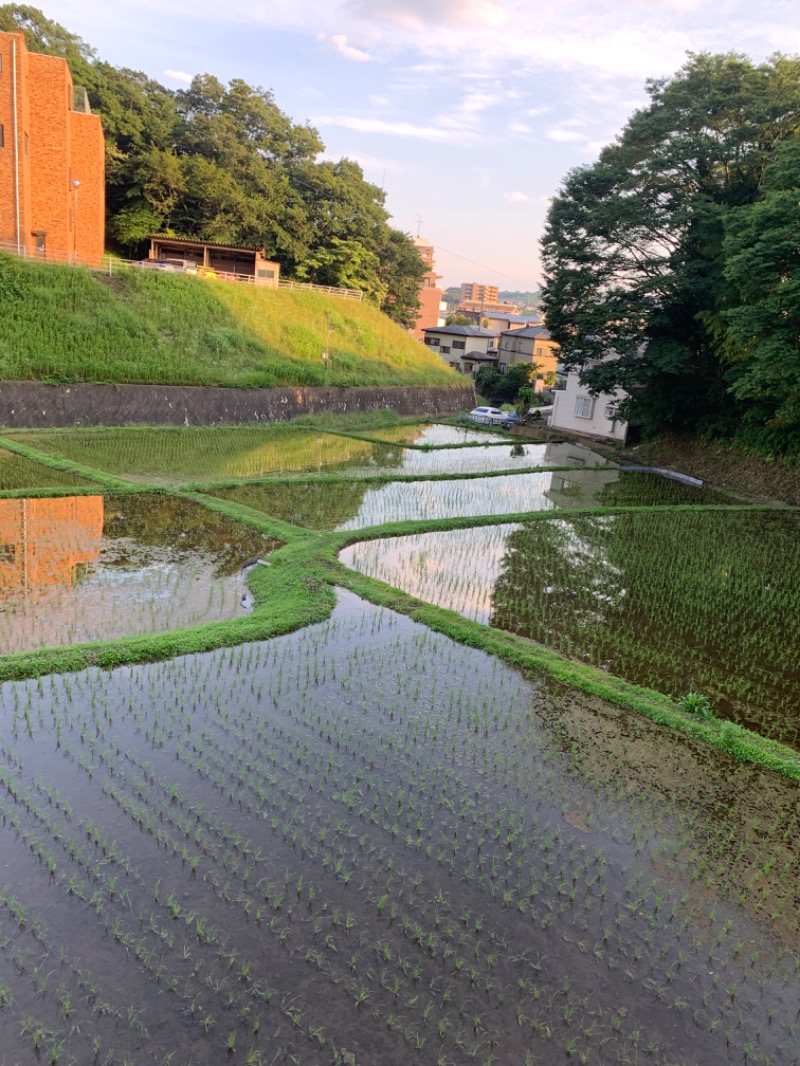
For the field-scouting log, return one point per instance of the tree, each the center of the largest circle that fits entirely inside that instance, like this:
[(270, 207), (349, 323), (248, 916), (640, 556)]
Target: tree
[(634, 244), (401, 272), (458, 320), (503, 388), (762, 267)]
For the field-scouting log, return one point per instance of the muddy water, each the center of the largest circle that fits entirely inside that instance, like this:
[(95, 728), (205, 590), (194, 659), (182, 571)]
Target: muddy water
[(363, 837), (83, 568)]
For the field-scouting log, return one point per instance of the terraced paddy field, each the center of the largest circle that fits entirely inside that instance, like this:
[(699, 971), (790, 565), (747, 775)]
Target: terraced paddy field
[(350, 824)]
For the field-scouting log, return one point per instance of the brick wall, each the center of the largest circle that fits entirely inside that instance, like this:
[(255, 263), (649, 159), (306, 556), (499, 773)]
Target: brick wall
[(9, 162), (88, 167), (33, 404), (56, 146), (50, 156)]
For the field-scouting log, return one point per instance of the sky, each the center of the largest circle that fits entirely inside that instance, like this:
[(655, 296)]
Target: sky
[(469, 113)]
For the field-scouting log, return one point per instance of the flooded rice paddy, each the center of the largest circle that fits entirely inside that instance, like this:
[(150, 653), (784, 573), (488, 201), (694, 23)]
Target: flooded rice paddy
[(363, 844), (84, 568), (673, 601), (365, 840), (182, 455), (358, 504), (424, 435)]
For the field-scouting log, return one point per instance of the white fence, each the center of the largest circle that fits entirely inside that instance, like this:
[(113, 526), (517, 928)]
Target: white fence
[(111, 265)]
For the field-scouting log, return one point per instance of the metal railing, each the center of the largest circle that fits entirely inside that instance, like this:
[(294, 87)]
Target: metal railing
[(111, 264)]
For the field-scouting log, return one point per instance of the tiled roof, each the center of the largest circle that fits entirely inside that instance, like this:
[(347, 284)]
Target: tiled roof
[(462, 331), (537, 332)]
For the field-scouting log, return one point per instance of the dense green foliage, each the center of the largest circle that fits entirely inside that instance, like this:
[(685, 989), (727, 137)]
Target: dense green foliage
[(504, 388), (60, 324), (673, 258), (224, 163)]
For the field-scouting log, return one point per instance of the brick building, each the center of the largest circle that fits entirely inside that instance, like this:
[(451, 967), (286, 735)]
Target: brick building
[(431, 307), (52, 159)]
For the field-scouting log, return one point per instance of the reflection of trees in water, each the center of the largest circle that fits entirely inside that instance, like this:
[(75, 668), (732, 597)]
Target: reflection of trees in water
[(704, 600), (183, 527), (314, 505), (557, 581)]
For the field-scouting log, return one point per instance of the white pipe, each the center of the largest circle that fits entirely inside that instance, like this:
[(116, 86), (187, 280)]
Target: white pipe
[(16, 136)]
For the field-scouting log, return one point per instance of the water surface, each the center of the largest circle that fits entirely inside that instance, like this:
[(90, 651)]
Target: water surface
[(84, 568)]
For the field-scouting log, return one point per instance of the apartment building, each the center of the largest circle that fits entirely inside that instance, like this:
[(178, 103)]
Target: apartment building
[(52, 159), (474, 293), (431, 303)]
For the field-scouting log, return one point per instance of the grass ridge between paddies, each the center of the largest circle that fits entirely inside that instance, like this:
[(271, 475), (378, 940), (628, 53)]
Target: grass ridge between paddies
[(65, 324)]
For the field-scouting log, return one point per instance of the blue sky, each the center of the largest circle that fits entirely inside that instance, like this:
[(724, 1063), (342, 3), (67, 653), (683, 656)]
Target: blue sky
[(469, 112)]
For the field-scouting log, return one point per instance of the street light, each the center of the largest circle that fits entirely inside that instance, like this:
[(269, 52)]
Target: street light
[(75, 185)]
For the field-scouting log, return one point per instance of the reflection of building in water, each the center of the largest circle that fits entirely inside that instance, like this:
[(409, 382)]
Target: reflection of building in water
[(579, 488), (583, 485), (47, 542)]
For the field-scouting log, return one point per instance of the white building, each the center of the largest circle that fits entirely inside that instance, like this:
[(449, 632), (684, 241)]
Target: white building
[(576, 410), (465, 348)]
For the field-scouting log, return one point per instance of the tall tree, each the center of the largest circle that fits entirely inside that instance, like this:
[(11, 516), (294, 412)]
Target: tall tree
[(634, 244), (762, 267)]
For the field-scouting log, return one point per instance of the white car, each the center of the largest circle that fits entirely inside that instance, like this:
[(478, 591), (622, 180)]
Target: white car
[(490, 416)]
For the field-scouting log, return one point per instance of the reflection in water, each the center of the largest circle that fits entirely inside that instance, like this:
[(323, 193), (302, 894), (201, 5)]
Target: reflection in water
[(158, 564), (456, 570), (434, 436), (35, 552)]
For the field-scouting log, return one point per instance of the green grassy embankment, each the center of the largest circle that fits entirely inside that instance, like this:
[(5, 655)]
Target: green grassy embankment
[(59, 324)]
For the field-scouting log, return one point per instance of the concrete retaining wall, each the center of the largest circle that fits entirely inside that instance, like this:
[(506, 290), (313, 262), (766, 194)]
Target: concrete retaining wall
[(31, 404)]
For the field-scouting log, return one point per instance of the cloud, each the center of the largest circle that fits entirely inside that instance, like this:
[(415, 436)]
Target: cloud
[(393, 129), (178, 75), (339, 43), (565, 136), (415, 15), (378, 101), (518, 127), (516, 197)]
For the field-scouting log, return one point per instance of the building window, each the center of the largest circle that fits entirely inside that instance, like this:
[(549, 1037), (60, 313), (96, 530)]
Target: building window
[(8, 553), (460, 344), (2, 137), (611, 410), (433, 342), (445, 348), (27, 144), (584, 407)]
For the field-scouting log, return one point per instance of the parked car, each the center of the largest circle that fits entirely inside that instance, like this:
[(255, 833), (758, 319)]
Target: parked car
[(490, 416), (179, 266)]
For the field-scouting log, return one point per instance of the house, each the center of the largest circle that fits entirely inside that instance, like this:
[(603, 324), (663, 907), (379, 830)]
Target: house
[(243, 261), (52, 159), (576, 410), (505, 320), (533, 345), (465, 348)]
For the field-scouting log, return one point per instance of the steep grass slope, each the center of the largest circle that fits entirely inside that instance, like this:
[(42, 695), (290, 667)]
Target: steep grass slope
[(61, 324)]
